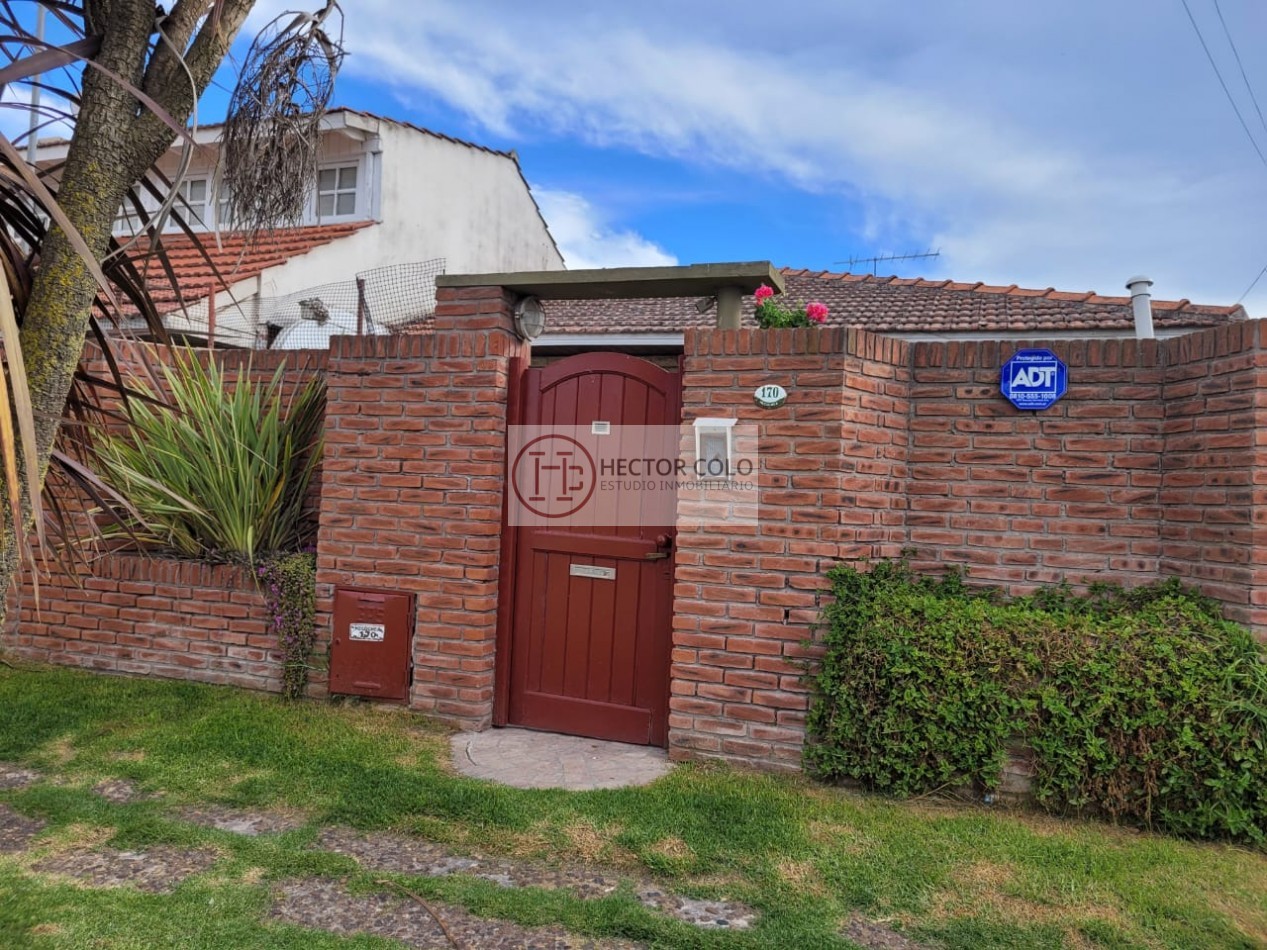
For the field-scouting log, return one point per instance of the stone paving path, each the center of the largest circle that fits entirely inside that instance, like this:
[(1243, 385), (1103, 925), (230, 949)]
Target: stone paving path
[(326, 905), (249, 823), (873, 936), (400, 854), (156, 870), (526, 759), (120, 791), (16, 831), (14, 776)]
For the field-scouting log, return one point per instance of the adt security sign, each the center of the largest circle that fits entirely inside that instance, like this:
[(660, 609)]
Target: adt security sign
[(1034, 379)]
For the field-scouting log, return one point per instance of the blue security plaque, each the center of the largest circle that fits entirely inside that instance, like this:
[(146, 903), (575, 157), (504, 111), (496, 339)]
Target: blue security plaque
[(1034, 379)]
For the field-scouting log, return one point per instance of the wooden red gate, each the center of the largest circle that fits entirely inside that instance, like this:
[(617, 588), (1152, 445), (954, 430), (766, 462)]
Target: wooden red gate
[(590, 609)]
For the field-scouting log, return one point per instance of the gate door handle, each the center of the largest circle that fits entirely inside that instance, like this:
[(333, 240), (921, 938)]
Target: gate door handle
[(664, 543)]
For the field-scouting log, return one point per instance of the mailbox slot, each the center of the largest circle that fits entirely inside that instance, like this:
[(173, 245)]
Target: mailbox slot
[(370, 646)]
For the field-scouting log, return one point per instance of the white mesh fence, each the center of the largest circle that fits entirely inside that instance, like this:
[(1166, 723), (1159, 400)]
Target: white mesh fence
[(375, 303)]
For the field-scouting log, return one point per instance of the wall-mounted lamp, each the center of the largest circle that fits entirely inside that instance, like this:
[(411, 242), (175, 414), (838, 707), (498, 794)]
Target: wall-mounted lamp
[(530, 318), (714, 448)]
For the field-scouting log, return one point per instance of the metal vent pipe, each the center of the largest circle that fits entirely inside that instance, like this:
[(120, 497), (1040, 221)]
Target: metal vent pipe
[(1141, 306)]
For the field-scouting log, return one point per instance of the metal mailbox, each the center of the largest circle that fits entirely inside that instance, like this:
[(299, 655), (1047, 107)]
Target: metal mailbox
[(369, 652)]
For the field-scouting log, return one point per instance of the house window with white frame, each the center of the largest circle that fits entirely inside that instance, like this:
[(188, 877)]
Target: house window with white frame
[(192, 206), (127, 220), (337, 191), (224, 199)]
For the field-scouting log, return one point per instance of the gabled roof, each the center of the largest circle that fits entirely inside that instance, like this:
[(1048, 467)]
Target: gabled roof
[(346, 118), (899, 305), (335, 118), (234, 258), (421, 130), (374, 116)]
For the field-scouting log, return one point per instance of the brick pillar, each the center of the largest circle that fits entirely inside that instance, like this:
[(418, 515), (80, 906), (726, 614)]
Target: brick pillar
[(832, 470), (412, 488), (1214, 467)]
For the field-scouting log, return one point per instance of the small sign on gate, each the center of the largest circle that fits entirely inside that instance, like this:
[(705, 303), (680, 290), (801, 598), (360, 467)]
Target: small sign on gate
[(590, 570)]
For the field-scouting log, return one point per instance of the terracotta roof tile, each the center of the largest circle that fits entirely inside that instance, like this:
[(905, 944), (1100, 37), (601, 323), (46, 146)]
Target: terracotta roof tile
[(900, 305), (234, 259)]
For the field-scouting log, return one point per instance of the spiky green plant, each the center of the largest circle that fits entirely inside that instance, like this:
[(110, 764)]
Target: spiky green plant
[(223, 470)]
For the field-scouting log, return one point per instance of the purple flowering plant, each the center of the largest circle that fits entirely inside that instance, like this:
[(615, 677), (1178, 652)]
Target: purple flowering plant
[(289, 584)]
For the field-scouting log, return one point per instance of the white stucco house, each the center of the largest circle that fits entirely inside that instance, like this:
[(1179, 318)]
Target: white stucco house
[(392, 203)]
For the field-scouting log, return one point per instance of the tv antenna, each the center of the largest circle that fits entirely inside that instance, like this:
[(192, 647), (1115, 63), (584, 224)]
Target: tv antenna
[(875, 261)]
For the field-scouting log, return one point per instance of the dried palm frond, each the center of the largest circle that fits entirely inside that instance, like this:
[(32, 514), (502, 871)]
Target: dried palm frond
[(269, 151)]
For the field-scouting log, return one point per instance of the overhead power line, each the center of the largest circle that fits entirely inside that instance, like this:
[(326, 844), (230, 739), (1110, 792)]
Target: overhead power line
[(1253, 285), (1227, 92), (1239, 65)]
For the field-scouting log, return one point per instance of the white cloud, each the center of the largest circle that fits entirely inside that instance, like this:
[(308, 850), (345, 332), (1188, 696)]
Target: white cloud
[(1037, 145), (15, 114), (586, 240)]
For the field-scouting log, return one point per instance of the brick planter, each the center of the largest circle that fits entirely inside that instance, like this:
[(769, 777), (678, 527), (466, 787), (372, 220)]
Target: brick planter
[(153, 617)]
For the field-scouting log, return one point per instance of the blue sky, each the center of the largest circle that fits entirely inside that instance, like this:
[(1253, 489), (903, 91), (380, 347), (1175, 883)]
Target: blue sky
[(1070, 145)]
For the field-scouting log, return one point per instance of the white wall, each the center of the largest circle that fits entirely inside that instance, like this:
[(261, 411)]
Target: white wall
[(433, 198), (436, 199), (471, 203)]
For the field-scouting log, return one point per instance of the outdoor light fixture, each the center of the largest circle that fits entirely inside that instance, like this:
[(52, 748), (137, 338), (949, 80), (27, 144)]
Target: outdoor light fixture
[(530, 318), (705, 304), (714, 448)]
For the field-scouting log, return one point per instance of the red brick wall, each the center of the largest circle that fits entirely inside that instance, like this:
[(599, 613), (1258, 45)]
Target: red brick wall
[(133, 359), (412, 489), (832, 471), (153, 617), (1213, 474), (157, 616), (1022, 498), (1152, 465)]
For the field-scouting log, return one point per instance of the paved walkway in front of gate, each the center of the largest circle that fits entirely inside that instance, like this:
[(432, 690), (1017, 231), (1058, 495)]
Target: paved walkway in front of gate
[(527, 759)]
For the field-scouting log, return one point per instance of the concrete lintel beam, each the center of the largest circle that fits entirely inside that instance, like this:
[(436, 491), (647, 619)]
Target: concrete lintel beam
[(617, 283)]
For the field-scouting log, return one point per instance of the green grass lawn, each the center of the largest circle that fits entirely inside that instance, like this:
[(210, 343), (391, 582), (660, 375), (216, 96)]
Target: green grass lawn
[(807, 857)]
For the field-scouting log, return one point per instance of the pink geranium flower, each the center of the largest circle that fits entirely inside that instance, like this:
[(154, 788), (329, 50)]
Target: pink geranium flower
[(816, 311), (763, 293)]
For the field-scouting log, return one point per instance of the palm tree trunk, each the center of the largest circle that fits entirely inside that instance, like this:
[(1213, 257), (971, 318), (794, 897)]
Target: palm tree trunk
[(116, 140)]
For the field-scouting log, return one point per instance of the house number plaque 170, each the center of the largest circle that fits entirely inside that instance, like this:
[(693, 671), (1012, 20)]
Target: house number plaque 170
[(770, 396)]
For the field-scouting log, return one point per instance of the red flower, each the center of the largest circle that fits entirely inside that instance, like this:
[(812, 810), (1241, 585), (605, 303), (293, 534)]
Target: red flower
[(816, 311)]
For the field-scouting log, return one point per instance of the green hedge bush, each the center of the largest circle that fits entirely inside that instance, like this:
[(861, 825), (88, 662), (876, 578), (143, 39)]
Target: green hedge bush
[(1144, 706)]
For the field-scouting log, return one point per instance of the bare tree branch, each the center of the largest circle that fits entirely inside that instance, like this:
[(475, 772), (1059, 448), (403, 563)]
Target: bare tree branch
[(166, 66), (205, 54)]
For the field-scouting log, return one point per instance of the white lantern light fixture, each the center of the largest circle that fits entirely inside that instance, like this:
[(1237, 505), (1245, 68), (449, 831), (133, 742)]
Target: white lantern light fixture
[(714, 448), (530, 318)]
